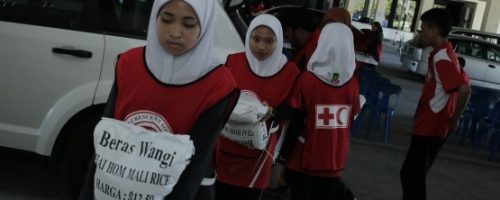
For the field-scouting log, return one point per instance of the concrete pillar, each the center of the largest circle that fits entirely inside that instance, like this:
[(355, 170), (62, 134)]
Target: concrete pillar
[(351, 5), (479, 15), (329, 4), (380, 11), (366, 8), (491, 19), (425, 5)]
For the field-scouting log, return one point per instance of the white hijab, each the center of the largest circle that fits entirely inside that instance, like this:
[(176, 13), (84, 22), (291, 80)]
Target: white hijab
[(273, 64), (193, 64), (333, 61)]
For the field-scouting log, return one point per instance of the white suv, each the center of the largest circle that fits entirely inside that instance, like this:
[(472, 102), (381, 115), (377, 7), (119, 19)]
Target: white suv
[(57, 65), (482, 56)]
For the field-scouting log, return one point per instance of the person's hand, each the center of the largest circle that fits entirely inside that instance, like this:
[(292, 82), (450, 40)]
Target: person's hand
[(453, 124), (269, 113)]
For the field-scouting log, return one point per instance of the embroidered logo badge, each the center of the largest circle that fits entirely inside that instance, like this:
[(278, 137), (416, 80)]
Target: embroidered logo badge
[(335, 78), (149, 120), (332, 116)]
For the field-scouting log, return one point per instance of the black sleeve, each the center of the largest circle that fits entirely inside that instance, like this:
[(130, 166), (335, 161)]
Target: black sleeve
[(109, 109), (204, 135), (297, 124), (283, 112), (87, 192)]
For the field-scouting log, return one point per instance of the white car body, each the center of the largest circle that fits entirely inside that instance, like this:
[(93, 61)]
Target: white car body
[(42, 90)]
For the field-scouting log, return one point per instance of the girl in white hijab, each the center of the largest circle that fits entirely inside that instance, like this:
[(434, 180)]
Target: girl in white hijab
[(262, 70), (327, 99), (169, 57), (175, 84)]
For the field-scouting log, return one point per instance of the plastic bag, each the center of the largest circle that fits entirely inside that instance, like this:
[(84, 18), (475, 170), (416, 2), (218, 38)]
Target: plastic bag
[(248, 109)]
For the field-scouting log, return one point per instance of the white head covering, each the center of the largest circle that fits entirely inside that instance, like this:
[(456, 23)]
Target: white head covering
[(333, 61), (193, 64), (273, 64)]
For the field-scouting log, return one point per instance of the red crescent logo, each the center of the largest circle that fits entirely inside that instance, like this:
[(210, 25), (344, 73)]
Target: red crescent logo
[(339, 119)]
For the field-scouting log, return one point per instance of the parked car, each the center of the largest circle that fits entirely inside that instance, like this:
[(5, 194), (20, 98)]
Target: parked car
[(57, 63), (490, 37), (479, 49), (411, 53)]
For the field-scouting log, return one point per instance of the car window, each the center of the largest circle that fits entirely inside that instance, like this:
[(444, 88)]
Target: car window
[(493, 53), (490, 38), (51, 13), (128, 17), (468, 48)]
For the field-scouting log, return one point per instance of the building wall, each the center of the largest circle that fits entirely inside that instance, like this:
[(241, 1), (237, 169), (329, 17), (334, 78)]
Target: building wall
[(486, 14), (492, 17), (380, 12), (479, 15)]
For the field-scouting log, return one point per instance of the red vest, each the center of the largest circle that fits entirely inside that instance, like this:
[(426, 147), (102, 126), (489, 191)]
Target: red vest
[(143, 100), (322, 148), (238, 164)]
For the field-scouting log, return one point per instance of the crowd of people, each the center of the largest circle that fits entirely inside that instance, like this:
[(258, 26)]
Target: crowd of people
[(311, 98)]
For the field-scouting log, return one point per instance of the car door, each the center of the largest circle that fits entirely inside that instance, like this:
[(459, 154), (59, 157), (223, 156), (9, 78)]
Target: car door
[(49, 50), (493, 64), (472, 52)]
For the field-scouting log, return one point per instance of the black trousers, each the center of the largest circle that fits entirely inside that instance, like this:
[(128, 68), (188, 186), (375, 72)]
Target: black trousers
[(225, 191), (205, 192), (305, 187), (418, 161)]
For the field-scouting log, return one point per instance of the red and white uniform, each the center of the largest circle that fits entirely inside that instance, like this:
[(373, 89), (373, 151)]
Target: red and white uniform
[(162, 112), (438, 100), (322, 148), (237, 164)]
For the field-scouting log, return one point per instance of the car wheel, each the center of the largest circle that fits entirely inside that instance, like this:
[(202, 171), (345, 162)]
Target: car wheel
[(78, 154)]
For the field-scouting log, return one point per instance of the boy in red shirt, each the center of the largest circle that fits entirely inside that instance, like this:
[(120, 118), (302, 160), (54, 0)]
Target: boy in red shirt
[(444, 97)]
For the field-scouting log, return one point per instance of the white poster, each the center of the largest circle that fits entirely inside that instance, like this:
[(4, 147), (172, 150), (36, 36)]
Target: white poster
[(133, 163)]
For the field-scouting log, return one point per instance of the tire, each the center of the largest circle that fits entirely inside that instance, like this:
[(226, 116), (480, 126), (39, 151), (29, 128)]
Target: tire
[(78, 153)]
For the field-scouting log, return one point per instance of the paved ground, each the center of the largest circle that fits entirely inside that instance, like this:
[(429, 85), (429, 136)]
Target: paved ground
[(372, 171)]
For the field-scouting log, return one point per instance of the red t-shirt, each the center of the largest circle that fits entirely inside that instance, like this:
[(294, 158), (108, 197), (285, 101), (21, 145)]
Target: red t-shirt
[(238, 164), (323, 146), (438, 101)]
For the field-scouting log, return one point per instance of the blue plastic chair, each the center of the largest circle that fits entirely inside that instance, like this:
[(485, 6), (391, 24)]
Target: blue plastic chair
[(385, 106), (490, 124), (495, 131), (372, 98), (479, 107), (365, 70), (363, 85)]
